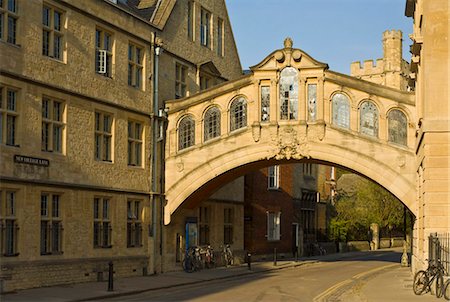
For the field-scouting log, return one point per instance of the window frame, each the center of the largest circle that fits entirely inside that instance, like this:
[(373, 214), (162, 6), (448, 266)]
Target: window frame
[(49, 143), (104, 136), (336, 100), (104, 50), (238, 116), (389, 121), (204, 219), (186, 132), (9, 116), (220, 37), (273, 226), (8, 32), (102, 229), (212, 123), (8, 223), (134, 223), (55, 34), (273, 177), (136, 59), (135, 143), (181, 73), (205, 27), (376, 120), (51, 235), (228, 221)]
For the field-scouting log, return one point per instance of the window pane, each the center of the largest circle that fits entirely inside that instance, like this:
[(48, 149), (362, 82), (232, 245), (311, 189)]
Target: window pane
[(12, 7), (265, 103), (105, 208), (11, 100), (55, 206), (369, 119), (312, 102), (57, 47), (57, 21), (45, 108), (288, 93), (12, 22), (44, 205), (96, 208), (397, 124), (341, 111), (46, 16), (10, 130), (57, 138)]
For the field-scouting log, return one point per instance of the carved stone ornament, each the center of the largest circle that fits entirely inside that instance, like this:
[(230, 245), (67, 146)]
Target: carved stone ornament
[(180, 165), (316, 131), (288, 42), (289, 145), (256, 131), (401, 161)]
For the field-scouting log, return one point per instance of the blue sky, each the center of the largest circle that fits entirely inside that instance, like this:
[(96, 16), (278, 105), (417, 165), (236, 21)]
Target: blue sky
[(337, 32)]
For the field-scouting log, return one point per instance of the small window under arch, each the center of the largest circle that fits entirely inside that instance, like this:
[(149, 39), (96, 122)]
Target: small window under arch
[(238, 114), (186, 133), (340, 108), (368, 119), (397, 127), (211, 123), (289, 94)]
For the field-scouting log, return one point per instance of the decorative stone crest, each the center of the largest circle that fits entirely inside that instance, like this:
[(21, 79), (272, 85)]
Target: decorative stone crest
[(288, 42), (401, 161), (289, 145), (316, 131), (256, 131), (179, 164)]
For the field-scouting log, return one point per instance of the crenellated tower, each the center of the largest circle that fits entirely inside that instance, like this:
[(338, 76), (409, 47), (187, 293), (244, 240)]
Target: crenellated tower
[(391, 70)]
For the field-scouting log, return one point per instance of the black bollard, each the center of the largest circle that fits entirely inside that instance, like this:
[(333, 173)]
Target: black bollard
[(110, 277), (275, 257), (249, 261)]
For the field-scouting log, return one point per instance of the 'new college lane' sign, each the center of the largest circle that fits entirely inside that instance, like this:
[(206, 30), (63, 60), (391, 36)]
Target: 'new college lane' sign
[(20, 159)]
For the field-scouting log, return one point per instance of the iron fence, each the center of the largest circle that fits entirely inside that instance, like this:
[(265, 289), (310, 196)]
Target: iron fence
[(439, 249)]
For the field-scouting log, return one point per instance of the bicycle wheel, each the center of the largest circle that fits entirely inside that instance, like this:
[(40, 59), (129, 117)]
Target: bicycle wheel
[(439, 285), (188, 265), (446, 290), (420, 282)]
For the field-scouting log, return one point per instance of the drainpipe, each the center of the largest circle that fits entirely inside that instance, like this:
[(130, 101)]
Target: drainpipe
[(156, 52)]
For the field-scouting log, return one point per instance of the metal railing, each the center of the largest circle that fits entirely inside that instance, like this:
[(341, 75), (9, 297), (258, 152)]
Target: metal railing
[(439, 249)]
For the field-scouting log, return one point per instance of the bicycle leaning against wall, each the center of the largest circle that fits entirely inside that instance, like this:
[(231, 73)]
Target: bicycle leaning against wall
[(446, 290), (424, 279)]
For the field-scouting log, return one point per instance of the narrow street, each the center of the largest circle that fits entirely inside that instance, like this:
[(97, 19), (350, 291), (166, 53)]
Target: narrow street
[(342, 280)]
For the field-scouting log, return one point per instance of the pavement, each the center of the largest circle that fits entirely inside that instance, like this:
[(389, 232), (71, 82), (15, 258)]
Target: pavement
[(394, 280)]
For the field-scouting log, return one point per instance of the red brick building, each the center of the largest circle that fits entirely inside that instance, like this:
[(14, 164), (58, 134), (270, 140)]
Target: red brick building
[(280, 209)]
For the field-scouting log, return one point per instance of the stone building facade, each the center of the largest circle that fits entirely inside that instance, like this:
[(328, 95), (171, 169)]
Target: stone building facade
[(391, 70), (430, 77), (77, 88)]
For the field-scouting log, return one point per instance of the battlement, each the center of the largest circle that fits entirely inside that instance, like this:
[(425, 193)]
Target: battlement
[(369, 67), (392, 34)]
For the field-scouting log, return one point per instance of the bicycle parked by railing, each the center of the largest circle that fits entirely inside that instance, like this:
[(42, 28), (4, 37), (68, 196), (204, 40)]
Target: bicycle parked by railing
[(446, 290), (227, 255), (208, 256), (192, 260), (424, 279)]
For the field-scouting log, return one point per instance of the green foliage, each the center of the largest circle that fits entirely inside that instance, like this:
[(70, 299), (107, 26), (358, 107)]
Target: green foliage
[(370, 203), (338, 230)]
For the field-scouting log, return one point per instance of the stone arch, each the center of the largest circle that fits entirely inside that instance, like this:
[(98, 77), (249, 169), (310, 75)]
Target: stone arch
[(390, 167)]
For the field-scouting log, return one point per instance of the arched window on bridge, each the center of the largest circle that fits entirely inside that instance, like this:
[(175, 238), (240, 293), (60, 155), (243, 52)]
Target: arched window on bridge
[(238, 114), (211, 123), (340, 110), (186, 133), (289, 94), (368, 119), (397, 127)]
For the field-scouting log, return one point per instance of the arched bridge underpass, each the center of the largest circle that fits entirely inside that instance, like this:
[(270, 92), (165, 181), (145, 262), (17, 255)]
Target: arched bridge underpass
[(291, 107)]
